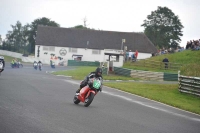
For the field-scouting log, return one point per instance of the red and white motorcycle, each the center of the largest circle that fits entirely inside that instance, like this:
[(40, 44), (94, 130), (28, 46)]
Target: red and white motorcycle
[(88, 92)]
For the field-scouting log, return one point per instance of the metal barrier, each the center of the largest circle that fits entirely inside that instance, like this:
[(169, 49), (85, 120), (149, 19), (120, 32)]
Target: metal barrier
[(122, 71), (147, 75), (157, 64), (82, 63), (189, 85)]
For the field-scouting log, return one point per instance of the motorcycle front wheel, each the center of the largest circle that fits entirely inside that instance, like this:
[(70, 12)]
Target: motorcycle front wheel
[(89, 100), (76, 100)]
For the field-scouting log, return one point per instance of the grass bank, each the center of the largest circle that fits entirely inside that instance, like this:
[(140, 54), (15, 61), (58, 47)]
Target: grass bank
[(190, 61)]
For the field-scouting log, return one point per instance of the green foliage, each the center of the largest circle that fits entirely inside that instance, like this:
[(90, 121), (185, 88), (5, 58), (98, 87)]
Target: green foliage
[(80, 27), (16, 40), (40, 21), (163, 28), (22, 38)]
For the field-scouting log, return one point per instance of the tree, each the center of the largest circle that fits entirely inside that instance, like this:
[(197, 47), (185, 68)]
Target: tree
[(16, 40), (163, 28), (40, 21)]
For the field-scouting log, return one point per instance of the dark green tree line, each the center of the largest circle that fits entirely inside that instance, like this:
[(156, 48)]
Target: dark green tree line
[(22, 38)]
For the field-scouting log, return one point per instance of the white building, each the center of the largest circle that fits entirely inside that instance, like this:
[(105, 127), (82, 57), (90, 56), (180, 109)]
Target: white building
[(89, 45)]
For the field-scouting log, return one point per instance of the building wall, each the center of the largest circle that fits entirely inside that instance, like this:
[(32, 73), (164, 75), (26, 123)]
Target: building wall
[(144, 55), (87, 54)]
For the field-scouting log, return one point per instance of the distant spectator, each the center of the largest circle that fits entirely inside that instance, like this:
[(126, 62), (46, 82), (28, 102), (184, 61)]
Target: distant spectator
[(136, 53), (130, 55), (127, 55), (170, 50), (188, 45), (166, 61), (163, 51), (193, 47)]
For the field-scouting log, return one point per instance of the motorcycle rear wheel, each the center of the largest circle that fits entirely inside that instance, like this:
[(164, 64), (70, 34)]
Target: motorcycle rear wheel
[(76, 100), (89, 100)]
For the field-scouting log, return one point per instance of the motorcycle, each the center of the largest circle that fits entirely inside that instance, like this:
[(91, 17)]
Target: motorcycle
[(16, 65), (40, 66), (20, 64), (35, 66), (88, 92), (53, 65), (1, 67)]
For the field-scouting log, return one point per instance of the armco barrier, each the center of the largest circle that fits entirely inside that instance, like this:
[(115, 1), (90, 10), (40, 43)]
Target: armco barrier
[(104, 70), (189, 85), (147, 75), (122, 71), (170, 77), (82, 63)]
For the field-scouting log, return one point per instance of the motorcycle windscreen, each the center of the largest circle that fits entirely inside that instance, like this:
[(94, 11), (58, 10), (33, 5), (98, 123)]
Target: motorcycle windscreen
[(96, 84)]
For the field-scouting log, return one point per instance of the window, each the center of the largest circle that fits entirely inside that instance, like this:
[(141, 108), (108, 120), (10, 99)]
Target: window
[(52, 49), (48, 48), (45, 48), (96, 52), (73, 50)]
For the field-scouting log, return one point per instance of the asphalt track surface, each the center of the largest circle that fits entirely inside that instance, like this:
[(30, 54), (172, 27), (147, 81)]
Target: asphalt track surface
[(33, 101)]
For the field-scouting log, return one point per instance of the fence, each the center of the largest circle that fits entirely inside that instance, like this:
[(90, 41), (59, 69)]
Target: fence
[(189, 85), (122, 71), (156, 64), (82, 63), (147, 75)]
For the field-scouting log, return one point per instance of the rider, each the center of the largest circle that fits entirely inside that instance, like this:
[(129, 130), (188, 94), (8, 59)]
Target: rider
[(35, 63), (39, 63), (13, 62), (2, 60), (97, 74)]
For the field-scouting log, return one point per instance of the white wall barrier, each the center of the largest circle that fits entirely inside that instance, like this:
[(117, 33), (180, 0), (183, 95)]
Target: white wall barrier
[(12, 54), (30, 59)]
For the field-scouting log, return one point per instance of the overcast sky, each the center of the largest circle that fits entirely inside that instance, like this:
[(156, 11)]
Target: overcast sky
[(108, 15)]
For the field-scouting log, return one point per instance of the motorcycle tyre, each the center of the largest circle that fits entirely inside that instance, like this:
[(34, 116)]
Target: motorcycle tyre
[(89, 100), (76, 100)]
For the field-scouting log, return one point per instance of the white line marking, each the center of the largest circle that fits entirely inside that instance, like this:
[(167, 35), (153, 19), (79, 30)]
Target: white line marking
[(64, 76), (73, 82), (143, 104)]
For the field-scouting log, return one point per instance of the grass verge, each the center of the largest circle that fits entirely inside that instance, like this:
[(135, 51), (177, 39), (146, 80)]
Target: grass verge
[(81, 72), (9, 58)]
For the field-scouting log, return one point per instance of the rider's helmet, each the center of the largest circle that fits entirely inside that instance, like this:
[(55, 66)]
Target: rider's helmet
[(98, 72)]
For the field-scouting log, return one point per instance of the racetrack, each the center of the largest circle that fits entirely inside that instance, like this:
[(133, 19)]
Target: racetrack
[(37, 102)]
